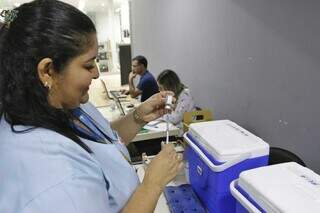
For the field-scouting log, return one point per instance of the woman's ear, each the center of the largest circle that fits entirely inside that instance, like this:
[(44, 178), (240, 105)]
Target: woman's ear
[(45, 72)]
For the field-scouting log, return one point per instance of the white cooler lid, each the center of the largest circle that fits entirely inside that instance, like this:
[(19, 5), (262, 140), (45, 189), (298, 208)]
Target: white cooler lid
[(286, 187), (225, 140)]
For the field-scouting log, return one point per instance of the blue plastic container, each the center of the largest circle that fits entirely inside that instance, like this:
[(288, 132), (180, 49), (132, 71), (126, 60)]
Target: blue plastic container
[(286, 187), (240, 208), (183, 199), (218, 152)]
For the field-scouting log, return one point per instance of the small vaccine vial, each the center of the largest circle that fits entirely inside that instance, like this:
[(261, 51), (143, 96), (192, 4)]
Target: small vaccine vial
[(169, 102)]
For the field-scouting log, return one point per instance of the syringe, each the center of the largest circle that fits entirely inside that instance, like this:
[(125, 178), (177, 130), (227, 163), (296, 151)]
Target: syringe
[(168, 108)]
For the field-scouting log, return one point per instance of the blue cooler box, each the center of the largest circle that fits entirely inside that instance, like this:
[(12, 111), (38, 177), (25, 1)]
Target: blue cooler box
[(286, 187), (218, 151)]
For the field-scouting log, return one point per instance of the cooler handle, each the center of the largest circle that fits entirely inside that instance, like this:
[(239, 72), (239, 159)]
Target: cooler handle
[(242, 199), (217, 168)]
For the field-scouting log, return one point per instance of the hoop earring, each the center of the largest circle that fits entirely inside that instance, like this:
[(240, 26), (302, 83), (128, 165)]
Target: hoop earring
[(46, 84)]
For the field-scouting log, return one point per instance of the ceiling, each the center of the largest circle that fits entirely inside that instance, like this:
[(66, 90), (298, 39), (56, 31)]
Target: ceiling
[(84, 5)]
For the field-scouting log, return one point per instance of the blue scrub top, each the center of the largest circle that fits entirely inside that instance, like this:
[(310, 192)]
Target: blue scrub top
[(43, 171)]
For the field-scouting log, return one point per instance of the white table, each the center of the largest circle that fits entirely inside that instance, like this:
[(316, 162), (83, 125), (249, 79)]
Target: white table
[(110, 112)]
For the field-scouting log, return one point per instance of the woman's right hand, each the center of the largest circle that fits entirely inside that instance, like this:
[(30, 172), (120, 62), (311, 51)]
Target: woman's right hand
[(164, 167)]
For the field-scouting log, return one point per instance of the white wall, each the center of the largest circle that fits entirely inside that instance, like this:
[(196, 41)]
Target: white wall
[(125, 20), (106, 24), (254, 62), (109, 24)]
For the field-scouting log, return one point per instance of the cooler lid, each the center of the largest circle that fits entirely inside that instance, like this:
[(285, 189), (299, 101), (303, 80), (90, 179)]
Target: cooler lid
[(225, 139), (286, 187)]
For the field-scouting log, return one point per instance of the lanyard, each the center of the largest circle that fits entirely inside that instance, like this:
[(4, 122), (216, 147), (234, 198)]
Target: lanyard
[(95, 133)]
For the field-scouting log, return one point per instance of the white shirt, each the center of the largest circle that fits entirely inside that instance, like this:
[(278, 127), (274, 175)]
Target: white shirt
[(185, 103)]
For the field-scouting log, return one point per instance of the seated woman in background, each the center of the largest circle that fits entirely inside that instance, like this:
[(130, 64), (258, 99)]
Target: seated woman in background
[(169, 80)]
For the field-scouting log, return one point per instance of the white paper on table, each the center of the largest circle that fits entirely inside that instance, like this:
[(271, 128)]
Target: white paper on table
[(157, 126), (154, 122)]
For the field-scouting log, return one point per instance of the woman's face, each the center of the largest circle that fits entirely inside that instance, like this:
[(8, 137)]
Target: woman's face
[(70, 86)]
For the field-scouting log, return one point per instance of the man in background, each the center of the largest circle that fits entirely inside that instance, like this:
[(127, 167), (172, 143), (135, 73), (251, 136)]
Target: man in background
[(147, 85)]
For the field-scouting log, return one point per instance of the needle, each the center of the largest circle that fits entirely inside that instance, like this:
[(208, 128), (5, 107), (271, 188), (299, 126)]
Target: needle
[(168, 107), (167, 131)]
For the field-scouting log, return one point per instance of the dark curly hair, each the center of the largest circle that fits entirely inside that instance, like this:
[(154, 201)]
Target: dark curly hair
[(42, 29)]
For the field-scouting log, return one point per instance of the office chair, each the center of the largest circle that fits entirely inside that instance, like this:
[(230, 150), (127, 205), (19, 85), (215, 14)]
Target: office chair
[(195, 117), (279, 155)]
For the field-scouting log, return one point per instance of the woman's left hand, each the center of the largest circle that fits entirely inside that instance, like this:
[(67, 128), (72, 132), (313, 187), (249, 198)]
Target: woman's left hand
[(153, 107)]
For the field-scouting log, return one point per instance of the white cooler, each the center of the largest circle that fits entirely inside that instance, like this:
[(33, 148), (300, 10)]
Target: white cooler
[(218, 151), (286, 187)]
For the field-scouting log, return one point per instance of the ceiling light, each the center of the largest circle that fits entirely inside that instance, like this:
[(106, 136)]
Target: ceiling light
[(81, 5)]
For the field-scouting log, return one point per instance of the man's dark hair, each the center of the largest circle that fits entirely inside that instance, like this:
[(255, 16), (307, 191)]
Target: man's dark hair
[(141, 60)]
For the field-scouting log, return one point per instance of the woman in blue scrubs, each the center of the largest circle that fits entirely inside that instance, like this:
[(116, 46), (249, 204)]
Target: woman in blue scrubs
[(57, 152)]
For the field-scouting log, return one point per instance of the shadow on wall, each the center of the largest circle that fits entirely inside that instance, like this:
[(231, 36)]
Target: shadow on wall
[(299, 26), (1, 81)]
